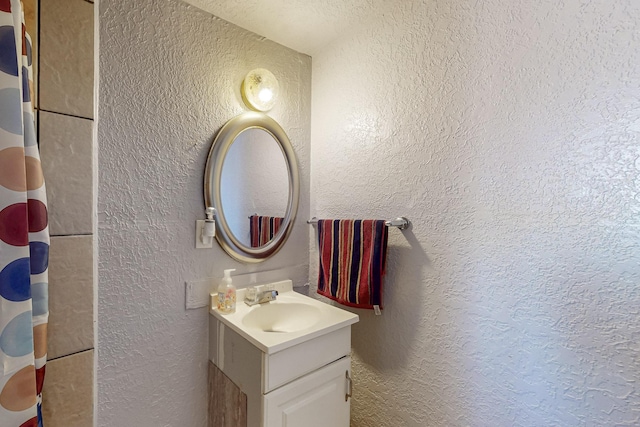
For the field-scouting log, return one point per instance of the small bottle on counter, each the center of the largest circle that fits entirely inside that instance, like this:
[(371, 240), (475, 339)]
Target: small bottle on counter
[(227, 294)]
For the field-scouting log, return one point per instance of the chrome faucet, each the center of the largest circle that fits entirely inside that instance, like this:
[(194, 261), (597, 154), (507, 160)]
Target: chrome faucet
[(252, 297)]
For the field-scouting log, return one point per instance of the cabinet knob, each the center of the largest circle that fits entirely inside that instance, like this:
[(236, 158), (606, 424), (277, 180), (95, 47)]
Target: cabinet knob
[(349, 387)]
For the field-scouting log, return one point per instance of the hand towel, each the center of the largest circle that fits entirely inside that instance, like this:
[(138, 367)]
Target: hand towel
[(263, 228), (352, 261)]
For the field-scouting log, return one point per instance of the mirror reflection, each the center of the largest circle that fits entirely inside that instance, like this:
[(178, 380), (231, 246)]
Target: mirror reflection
[(254, 187), (251, 180)]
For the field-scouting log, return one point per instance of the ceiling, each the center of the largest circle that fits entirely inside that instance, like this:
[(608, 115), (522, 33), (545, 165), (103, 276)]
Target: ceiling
[(303, 25)]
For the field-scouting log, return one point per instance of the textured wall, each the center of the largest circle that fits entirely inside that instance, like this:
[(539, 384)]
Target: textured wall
[(169, 79), (508, 132)]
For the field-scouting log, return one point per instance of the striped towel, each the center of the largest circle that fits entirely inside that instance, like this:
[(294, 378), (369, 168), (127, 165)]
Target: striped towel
[(352, 261), (263, 228)]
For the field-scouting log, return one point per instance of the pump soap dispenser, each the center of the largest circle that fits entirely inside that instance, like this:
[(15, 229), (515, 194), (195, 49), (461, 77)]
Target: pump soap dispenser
[(227, 294)]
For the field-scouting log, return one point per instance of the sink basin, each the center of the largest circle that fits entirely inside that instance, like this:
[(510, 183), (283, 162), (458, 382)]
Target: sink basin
[(282, 317), (290, 320)]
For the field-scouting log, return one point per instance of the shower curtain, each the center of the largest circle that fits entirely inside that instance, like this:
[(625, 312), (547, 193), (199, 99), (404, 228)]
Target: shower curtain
[(24, 232)]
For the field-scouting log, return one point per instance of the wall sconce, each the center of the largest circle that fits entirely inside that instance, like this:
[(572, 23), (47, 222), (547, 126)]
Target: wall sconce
[(260, 89)]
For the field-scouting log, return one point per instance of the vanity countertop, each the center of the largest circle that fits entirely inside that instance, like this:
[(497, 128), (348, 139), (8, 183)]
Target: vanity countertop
[(291, 319)]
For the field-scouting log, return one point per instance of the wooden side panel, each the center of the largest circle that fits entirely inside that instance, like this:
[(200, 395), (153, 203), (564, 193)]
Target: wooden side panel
[(227, 404)]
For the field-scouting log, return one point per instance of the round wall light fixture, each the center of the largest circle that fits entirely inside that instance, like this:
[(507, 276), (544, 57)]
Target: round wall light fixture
[(260, 89)]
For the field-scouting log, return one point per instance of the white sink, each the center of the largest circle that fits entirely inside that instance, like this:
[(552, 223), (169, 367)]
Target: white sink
[(291, 319), (282, 317)]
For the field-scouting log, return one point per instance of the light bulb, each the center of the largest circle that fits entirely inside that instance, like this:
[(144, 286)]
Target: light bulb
[(260, 89), (265, 95)]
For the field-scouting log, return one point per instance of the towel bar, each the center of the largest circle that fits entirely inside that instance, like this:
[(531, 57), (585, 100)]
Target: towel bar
[(401, 222)]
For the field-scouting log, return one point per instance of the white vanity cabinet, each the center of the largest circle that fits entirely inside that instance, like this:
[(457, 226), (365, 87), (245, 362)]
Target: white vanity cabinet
[(306, 385), (275, 381)]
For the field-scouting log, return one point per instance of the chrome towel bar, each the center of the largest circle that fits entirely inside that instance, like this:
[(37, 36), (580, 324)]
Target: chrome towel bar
[(401, 222)]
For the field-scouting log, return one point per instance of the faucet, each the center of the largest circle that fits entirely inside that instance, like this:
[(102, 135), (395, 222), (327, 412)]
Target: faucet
[(253, 297)]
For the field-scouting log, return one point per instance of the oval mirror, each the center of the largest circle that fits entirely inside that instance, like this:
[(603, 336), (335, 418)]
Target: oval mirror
[(251, 179)]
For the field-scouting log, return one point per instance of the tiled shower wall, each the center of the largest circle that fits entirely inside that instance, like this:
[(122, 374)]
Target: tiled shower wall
[(62, 35)]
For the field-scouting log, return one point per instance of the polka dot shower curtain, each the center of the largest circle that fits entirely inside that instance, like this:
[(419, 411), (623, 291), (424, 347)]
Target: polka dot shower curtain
[(24, 234)]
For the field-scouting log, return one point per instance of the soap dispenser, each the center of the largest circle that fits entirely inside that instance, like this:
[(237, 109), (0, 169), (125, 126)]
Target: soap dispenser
[(227, 294)]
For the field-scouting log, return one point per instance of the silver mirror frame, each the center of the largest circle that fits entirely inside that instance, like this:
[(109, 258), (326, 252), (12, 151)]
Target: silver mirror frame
[(213, 177)]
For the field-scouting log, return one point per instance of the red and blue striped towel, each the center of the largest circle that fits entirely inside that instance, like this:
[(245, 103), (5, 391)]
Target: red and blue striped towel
[(352, 261), (263, 228)]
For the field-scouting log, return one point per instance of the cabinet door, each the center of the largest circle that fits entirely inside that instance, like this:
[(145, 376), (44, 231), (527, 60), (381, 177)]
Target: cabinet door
[(315, 400)]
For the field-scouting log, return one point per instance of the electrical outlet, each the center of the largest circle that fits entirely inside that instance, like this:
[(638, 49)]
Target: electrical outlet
[(199, 243)]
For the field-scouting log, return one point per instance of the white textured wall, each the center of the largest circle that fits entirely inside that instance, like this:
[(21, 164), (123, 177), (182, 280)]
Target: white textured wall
[(169, 79), (508, 132)]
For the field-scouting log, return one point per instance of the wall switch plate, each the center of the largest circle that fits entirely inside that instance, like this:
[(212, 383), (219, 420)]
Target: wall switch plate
[(199, 243), (197, 293)]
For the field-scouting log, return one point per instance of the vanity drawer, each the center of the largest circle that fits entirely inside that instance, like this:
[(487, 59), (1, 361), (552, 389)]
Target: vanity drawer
[(287, 365)]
